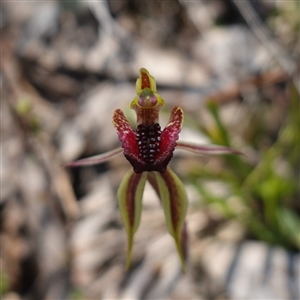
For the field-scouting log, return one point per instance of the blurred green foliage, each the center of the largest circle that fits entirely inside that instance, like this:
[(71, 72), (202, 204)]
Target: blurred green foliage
[(264, 196), (4, 283), (287, 14), (24, 110), (76, 294)]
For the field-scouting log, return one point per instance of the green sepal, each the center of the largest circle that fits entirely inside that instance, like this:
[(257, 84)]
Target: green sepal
[(145, 80), (174, 200), (130, 195)]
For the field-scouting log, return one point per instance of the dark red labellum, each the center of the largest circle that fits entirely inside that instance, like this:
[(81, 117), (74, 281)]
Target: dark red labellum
[(148, 138)]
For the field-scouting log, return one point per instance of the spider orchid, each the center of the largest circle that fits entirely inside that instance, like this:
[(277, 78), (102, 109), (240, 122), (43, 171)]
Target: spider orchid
[(149, 150)]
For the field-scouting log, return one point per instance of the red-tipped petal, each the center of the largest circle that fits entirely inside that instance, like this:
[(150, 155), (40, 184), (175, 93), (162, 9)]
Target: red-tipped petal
[(206, 149), (130, 195), (169, 137), (125, 131), (94, 160), (127, 136)]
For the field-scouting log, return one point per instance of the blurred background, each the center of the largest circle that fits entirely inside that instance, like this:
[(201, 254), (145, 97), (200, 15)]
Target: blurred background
[(234, 69)]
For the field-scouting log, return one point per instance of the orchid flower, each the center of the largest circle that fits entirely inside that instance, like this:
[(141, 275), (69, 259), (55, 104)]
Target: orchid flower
[(149, 150)]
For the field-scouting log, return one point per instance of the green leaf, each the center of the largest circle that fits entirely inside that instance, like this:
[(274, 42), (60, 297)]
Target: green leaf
[(289, 223), (130, 195), (174, 200)]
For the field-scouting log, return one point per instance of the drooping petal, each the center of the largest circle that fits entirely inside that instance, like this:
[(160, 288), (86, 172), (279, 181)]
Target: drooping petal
[(174, 200), (130, 194), (169, 137), (206, 149), (151, 177), (184, 241), (96, 159)]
